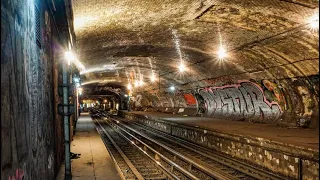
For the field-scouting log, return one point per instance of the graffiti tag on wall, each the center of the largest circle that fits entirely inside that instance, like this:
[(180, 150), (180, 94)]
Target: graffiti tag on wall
[(241, 101), (190, 99), (18, 176)]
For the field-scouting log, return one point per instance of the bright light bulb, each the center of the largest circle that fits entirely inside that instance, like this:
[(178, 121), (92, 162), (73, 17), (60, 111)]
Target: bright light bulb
[(182, 67), (172, 88), (314, 21), (76, 80), (129, 86), (141, 83), (136, 84), (222, 53), (80, 91), (69, 56), (152, 78)]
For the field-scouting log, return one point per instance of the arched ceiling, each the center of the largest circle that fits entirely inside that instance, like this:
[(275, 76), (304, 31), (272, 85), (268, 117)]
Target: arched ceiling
[(119, 40)]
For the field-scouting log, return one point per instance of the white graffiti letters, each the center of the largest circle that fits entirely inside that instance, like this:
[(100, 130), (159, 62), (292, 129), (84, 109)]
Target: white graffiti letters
[(241, 101)]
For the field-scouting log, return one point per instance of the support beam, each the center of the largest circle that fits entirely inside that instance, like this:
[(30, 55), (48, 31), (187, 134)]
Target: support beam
[(66, 121)]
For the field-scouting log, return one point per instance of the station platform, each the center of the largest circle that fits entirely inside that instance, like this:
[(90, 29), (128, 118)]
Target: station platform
[(94, 161), (305, 138)]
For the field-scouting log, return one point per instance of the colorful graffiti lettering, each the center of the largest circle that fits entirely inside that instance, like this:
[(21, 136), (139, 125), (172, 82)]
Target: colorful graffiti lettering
[(138, 100), (190, 99), (18, 176), (240, 101)]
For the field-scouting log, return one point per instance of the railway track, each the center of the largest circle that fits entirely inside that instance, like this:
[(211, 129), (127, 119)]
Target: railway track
[(180, 159), (131, 161)]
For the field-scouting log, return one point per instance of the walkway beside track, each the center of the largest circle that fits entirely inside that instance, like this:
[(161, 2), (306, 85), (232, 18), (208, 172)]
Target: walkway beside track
[(94, 163)]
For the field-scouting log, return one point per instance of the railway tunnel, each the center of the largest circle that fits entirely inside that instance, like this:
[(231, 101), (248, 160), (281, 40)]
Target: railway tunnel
[(173, 89)]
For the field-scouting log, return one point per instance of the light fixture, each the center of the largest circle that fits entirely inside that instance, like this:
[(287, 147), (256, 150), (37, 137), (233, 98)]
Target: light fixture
[(129, 86), (222, 53), (136, 84), (172, 88), (76, 80), (69, 56), (313, 21), (80, 91), (182, 67), (153, 78), (125, 95), (141, 82)]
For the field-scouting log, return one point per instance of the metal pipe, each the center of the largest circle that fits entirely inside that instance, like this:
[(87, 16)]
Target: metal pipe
[(300, 172), (159, 81), (66, 121)]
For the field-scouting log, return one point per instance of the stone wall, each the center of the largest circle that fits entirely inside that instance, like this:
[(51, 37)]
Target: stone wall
[(32, 134), (289, 102)]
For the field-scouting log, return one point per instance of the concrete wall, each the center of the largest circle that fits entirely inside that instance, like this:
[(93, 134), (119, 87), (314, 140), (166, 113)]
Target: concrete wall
[(31, 141), (289, 102)]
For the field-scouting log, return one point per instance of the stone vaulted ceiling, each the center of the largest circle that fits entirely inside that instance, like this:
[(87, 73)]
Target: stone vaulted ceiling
[(118, 41)]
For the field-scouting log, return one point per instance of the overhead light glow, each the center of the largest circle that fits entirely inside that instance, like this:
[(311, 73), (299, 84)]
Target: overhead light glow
[(80, 91), (136, 84), (125, 95), (69, 56), (222, 53), (153, 78), (81, 22), (314, 22), (182, 67), (129, 86), (76, 80), (172, 88), (141, 82)]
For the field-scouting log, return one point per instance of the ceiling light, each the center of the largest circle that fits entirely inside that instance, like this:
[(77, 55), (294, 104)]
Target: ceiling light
[(69, 56), (76, 80), (172, 88), (141, 83), (222, 53), (182, 67), (80, 91), (136, 84), (129, 86), (314, 21), (153, 77)]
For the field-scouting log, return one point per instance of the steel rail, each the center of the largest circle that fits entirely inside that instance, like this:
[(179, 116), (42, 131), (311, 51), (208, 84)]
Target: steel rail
[(167, 172), (232, 163), (188, 145), (99, 129), (212, 173), (173, 164), (126, 159)]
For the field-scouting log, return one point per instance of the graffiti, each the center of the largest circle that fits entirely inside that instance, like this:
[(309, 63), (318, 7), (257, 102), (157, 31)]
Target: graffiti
[(190, 99), (276, 91), (18, 176), (138, 100), (242, 101)]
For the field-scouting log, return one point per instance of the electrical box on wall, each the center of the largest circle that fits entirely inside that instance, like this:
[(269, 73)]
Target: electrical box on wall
[(69, 112)]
